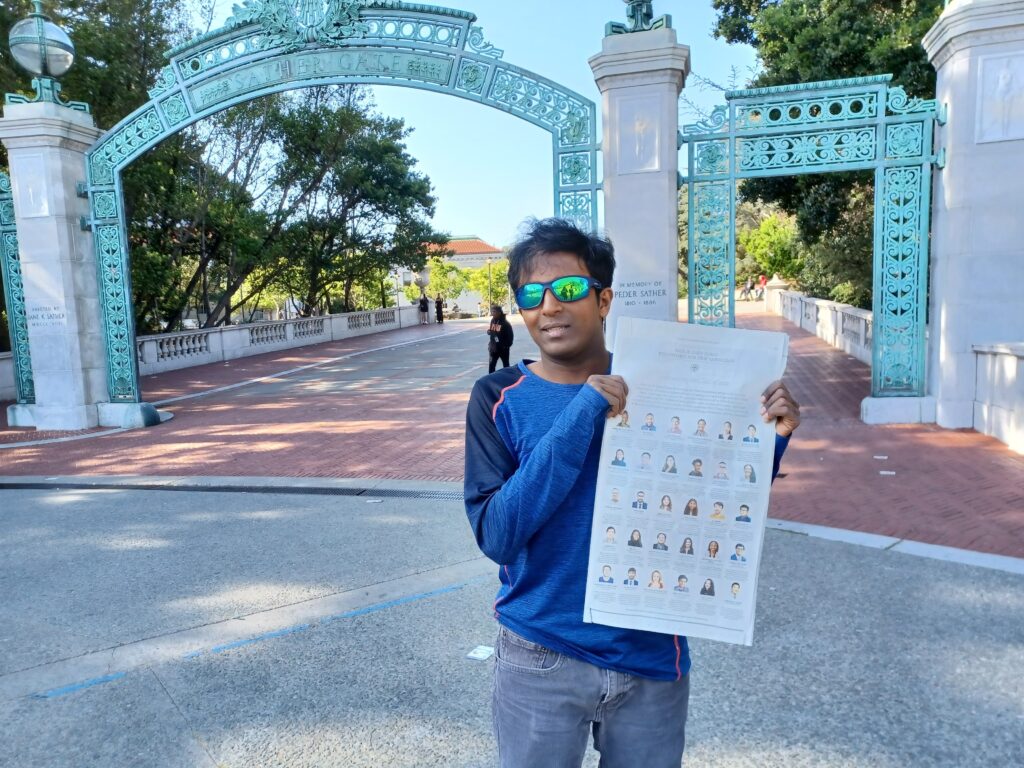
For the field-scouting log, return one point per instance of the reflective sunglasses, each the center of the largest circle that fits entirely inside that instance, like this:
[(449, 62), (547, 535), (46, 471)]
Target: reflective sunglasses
[(565, 289)]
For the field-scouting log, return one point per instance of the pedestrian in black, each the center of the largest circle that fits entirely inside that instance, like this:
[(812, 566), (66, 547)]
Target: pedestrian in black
[(424, 309), (500, 333), (439, 308)]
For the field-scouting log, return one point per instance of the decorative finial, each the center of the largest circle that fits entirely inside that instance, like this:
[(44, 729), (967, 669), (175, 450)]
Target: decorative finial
[(640, 14), (45, 50)]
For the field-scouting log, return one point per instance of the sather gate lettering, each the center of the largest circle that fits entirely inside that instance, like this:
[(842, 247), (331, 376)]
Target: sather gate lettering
[(269, 46)]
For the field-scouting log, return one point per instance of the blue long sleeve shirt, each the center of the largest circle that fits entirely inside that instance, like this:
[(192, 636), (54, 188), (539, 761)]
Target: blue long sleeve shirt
[(532, 455)]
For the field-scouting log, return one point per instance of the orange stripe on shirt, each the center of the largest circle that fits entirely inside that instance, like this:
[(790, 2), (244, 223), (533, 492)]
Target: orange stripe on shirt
[(679, 672), (494, 412)]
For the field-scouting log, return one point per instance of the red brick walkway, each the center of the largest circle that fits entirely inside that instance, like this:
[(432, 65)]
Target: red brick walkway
[(401, 416)]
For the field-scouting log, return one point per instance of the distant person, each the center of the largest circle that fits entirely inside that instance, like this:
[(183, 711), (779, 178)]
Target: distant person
[(439, 306), (748, 289), (708, 588), (751, 434), (631, 578), (606, 575), (669, 466), (691, 509), (687, 547), (744, 515), (681, 583), (424, 305), (500, 335), (662, 543), (762, 284), (648, 425)]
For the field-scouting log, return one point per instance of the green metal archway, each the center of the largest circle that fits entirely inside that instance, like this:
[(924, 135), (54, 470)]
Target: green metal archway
[(842, 125), (269, 46)]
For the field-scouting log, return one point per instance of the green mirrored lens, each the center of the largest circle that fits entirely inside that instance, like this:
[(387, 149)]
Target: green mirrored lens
[(570, 288), (530, 295)]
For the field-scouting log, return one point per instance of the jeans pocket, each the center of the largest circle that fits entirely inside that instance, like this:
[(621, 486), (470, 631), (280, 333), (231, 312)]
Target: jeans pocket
[(517, 654)]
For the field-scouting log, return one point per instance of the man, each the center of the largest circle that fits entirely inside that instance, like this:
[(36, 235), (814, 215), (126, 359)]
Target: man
[(735, 590), (675, 428), (661, 544), (648, 425), (681, 584), (533, 440), (500, 337), (719, 512), (723, 471), (698, 467), (744, 515), (631, 580), (640, 502), (609, 535), (645, 461), (606, 575), (616, 496), (740, 555), (751, 435)]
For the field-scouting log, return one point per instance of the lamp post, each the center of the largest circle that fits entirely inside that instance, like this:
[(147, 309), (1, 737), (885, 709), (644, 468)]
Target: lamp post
[(488, 283), (45, 50)]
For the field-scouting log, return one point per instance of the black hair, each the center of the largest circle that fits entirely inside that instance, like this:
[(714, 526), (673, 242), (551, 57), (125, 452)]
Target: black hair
[(547, 236)]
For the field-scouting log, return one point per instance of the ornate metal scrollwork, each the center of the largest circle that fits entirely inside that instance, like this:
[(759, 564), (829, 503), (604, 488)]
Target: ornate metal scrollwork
[(14, 296)]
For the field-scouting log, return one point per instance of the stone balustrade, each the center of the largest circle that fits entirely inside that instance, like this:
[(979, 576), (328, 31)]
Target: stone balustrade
[(999, 392), (844, 327)]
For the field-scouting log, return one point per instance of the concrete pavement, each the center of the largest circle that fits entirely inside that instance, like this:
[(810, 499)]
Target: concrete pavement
[(255, 629)]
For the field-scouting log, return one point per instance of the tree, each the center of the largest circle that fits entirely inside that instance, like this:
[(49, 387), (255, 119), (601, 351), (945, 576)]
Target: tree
[(491, 282), (446, 278), (773, 246)]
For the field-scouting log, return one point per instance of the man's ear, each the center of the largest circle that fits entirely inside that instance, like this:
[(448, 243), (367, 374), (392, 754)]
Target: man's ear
[(604, 301)]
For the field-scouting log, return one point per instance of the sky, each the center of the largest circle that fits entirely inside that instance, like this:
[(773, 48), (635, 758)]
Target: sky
[(491, 170)]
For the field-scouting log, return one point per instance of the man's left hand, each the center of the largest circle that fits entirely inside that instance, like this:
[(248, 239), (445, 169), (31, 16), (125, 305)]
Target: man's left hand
[(778, 404)]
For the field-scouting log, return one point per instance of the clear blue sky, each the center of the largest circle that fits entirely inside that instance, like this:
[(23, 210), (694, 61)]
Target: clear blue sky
[(491, 170)]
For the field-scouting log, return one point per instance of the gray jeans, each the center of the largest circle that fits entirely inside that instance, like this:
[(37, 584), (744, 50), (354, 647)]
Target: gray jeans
[(546, 703)]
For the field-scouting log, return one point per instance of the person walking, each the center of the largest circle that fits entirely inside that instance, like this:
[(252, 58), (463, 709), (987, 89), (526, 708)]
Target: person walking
[(500, 334), (439, 308), (424, 309), (748, 289)]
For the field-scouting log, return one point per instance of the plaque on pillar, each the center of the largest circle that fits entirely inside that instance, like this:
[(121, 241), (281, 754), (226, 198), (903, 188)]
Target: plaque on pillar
[(1000, 98)]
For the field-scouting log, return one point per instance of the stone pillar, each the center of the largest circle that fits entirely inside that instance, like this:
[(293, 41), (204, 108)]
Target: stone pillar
[(977, 265), (641, 75), (46, 146)]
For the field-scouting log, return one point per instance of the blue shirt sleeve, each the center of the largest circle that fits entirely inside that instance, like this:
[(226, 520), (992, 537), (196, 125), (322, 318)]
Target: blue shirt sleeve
[(507, 503), (781, 443)]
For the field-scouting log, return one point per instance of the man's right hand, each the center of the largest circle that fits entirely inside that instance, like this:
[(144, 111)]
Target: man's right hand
[(613, 389)]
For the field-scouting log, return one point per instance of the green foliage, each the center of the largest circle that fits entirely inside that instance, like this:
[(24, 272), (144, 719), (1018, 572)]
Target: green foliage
[(774, 246), (446, 279), (491, 282)]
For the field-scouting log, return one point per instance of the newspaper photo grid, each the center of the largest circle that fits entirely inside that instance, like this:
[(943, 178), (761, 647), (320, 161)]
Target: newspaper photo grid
[(684, 482)]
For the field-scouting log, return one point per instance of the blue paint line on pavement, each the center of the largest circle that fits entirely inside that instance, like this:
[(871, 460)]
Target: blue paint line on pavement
[(260, 638), (66, 689), (400, 601)]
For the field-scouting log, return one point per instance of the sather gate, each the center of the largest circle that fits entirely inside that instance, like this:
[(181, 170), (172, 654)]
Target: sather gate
[(267, 47), (842, 125)]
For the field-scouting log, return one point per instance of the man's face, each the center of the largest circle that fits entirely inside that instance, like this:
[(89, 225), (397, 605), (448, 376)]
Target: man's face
[(661, 538), (631, 574), (640, 496), (610, 534), (740, 549), (721, 467), (744, 509), (615, 495), (701, 425), (645, 460), (735, 589), (751, 431), (697, 465), (607, 571), (682, 582), (649, 419), (565, 332), (719, 507)]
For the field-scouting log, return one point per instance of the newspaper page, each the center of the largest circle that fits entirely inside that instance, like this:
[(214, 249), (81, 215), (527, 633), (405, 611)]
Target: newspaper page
[(682, 492)]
